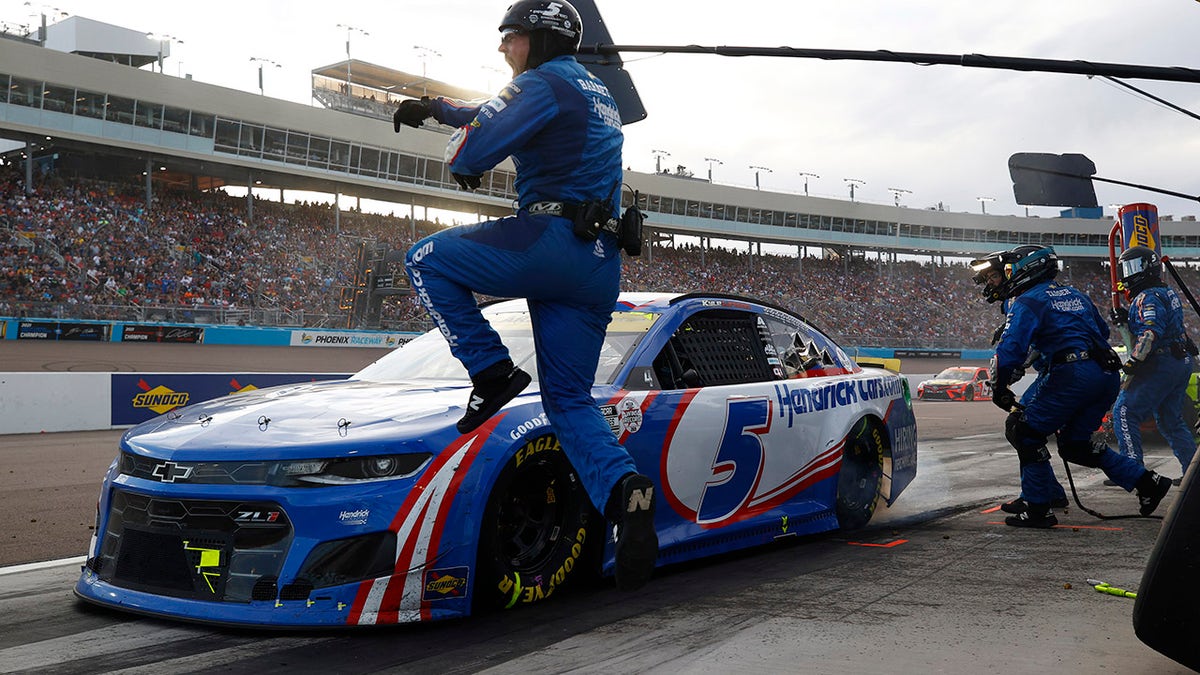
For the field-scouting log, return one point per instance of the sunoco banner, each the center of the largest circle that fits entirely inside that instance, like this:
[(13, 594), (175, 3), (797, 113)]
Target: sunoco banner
[(137, 397)]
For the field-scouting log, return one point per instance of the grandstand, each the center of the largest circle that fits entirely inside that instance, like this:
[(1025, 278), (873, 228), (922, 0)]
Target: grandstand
[(91, 131)]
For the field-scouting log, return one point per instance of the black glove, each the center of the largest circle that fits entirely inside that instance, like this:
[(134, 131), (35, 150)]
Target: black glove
[(1119, 315), (998, 332), (412, 112), (468, 183), (1131, 366), (1004, 399), (1002, 378)]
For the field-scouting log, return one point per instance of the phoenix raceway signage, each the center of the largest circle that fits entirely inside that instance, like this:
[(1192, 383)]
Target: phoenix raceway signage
[(331, 338)]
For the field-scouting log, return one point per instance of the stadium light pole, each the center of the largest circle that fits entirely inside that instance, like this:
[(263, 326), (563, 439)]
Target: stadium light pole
[(899, 191), (983, 203), (757, 169), (162, 40), (350, 29), (711, 161), (658, 155), (41, 9), (853, 182), (424, 53), (261, 62), (806, 176)]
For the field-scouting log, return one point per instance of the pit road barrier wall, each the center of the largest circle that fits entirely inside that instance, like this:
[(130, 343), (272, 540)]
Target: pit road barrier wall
[(34, 402)]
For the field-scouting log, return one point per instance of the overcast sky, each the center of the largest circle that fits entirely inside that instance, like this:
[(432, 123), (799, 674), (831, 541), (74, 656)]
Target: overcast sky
[(943, 133)]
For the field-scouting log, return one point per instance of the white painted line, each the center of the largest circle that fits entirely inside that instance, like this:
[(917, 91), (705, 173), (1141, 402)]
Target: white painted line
[(30, 567)]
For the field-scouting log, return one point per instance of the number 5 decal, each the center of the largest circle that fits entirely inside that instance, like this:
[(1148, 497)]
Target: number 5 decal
[(738, 463)]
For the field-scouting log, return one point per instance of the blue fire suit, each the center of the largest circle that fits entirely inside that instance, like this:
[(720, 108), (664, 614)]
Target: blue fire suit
[(562, 128), (1157, 387), (1041, 366), (1073, 392)]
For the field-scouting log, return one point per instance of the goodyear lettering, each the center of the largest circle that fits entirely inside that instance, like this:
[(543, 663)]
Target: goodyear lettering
[(536, 592), (529, 425), (537, 445)]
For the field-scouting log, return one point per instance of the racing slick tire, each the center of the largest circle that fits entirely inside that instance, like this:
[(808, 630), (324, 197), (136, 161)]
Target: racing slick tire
[(861, 475), (539, 531), (970, 395)]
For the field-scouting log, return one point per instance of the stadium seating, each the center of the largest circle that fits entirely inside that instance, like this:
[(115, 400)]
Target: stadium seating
[(85, 249)]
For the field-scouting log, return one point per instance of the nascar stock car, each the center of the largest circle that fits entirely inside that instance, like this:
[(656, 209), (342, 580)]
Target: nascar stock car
[(356, 502), (960, 383)]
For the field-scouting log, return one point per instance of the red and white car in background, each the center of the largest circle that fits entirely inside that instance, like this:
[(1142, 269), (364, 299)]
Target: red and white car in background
[(960, 383)]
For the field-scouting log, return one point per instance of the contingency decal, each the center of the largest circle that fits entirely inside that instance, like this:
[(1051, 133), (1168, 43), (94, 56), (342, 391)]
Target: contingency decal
[(625, 412)]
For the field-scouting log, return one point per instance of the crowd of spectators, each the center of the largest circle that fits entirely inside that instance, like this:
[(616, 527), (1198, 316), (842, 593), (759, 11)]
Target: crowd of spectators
[(86, 249)]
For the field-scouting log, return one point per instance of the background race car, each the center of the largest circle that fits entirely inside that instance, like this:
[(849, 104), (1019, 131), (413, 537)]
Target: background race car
[(960, 383), (356, 502)]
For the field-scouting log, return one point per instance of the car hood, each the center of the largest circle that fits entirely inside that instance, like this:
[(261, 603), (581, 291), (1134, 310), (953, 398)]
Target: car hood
[(290, 421)]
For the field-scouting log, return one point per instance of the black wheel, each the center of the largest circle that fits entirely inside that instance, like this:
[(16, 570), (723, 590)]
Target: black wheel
[(970, 396), (861, 475), (539, 531)]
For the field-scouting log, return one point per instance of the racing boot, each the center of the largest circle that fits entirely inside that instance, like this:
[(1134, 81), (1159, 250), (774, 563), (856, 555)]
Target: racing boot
[(1019, 505), (494, 386), (1036, 515), (1151, 488), (631, 508)]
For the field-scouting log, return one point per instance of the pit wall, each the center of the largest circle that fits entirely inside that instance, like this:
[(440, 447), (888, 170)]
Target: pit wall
[(34, 402)]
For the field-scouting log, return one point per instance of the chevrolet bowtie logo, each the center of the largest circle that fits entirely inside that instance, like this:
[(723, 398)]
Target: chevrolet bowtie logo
[(169, 472)]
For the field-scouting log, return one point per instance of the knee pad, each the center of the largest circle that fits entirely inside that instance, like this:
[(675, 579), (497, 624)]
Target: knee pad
[(1082, 452), (1030, 445), (1027, 456)]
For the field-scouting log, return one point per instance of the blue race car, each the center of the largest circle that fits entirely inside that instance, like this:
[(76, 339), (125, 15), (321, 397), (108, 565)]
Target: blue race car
[(356, 502)]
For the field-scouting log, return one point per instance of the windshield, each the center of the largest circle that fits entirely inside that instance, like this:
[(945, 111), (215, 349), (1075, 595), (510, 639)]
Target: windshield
[(957, 374), (428, 356)]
